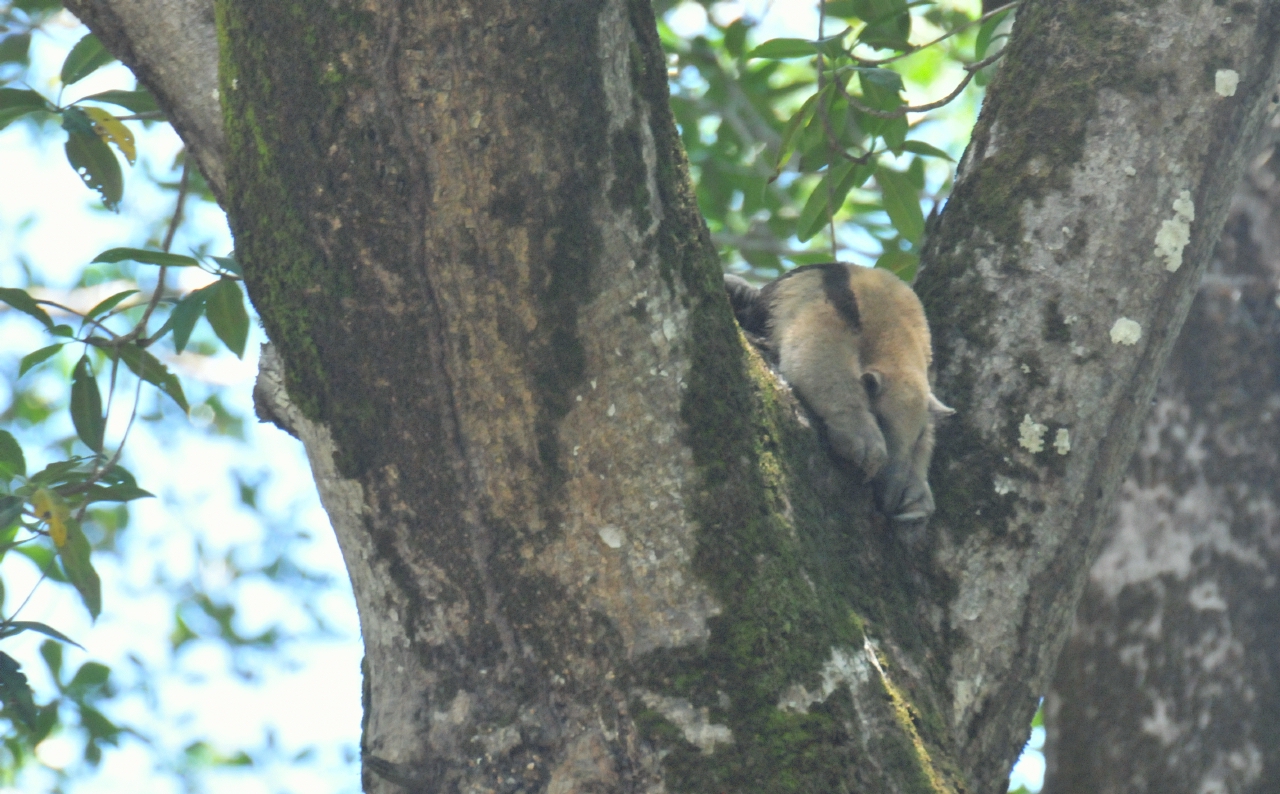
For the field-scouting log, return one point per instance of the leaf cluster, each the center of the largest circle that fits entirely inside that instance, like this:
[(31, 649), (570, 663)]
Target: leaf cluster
[(811, 141)]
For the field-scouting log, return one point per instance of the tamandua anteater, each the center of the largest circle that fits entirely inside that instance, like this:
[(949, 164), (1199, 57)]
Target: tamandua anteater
[(854, 342)]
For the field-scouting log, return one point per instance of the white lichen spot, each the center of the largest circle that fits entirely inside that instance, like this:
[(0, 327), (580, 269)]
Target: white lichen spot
[(1130, 171), (1125, 332), (694, 723), (1078, 351), (1062, 441), (1175, 233), (1026, 369), (1031, 434), (593, 384), (612, 536), (844, 668), (1003, 485), (669, 328), (613, 409), (1225, 82)]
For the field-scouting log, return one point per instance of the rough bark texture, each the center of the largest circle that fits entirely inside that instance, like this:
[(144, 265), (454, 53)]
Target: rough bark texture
[(1170, 682), (1101, 117), (594, 544)]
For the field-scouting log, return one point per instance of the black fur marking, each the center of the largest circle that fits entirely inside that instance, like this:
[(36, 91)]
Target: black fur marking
[(835, 283)]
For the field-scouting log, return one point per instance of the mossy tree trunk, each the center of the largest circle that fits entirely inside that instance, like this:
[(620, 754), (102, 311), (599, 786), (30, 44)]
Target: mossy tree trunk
[(594, 544), (1170, 681)]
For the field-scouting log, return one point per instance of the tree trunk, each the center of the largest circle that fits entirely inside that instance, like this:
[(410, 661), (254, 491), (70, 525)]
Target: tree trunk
[(595, 545), (1170, 682)]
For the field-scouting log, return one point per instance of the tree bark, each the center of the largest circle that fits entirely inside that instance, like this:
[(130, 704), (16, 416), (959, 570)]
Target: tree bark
[(1170, 682), (595, 545)]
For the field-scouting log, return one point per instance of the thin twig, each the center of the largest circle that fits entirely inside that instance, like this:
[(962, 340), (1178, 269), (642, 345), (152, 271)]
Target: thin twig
[(141, 328), (938, 40), (9, 620), (970, 69), (72, 311), (99, 473)]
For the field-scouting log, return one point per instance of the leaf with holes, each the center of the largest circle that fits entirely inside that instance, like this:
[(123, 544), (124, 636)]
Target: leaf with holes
[(92, 160), (112, 130), (86, 405)]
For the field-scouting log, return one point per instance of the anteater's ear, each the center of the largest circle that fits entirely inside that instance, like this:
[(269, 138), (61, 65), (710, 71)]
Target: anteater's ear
[(873, 382), (937, 408), (750, 310)]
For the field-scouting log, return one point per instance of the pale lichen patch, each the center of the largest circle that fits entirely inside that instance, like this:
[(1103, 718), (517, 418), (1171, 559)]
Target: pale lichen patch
[(842, 669), (1225, 82), (694, 723), (1031, 434), (1062, 441), (1175, 233), (1125, 332)]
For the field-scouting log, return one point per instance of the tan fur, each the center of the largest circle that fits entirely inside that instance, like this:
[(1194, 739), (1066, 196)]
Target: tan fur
[(888, 435)]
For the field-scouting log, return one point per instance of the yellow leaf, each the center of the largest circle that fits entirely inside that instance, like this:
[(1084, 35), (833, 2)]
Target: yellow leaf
[(112, 130), (51, 509)]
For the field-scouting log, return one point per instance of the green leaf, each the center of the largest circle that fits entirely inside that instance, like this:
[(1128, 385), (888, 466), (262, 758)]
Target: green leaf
[(12, 462), (10, 510), (146, 257), (93, 161), (139, 101), (842, 178), (985, 32), (902, 202), (881, 88), (86, 405), (791, 133), (75, 561), (84, 59), (90, 677), (36, 6), (183, 318), (23, 302), (15, 691), (63, 330), (59, 472), (888, 23), (16, 49), (735, 36), (149, 368), (228, 263), (123, 492), (19, 626), (925, 150), (224, 306), (902, 264), (784, 48), (52, 654), (32, 359), (110, 303), (18, 102)]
